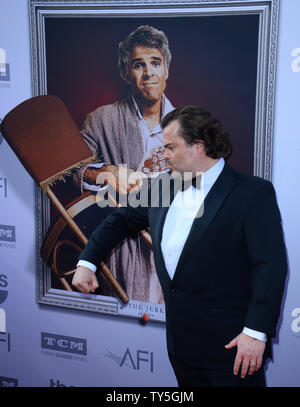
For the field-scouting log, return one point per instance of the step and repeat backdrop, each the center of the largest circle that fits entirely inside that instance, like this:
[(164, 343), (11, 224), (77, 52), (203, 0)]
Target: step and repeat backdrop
[(50, 343)]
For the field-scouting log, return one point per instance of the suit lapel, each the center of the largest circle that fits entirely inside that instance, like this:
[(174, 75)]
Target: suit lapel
[(212, 203), (159, 228)]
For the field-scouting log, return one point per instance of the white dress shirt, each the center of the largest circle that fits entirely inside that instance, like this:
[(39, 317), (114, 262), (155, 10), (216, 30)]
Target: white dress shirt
[(181, 215)]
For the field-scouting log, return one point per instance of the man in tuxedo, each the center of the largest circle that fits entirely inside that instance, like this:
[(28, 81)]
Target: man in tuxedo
[(220, 256)]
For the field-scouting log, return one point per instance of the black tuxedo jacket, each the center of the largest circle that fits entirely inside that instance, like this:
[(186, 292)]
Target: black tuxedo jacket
[(230, 274)]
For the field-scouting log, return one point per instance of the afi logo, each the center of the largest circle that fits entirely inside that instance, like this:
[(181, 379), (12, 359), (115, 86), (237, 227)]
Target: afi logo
[(296, 62), (135, 359)]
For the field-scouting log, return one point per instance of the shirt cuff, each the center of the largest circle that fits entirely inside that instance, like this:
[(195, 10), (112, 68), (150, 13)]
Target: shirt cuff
[(87, 264), (255, 334), (94, 188), (89, 187)]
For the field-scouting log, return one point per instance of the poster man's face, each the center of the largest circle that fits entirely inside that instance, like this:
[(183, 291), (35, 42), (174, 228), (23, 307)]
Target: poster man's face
[(147, 73)]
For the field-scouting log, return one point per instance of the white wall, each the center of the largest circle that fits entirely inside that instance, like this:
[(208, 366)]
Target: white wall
[(285, 370)]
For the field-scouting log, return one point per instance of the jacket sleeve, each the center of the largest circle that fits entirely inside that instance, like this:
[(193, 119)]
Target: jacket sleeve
[(267, 252), (122, 223)]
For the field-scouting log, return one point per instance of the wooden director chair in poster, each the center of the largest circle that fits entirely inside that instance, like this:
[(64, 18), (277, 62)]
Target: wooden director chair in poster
[(45, 139)]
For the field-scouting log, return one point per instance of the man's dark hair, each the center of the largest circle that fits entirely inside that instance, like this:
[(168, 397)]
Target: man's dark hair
[(148, 37), (197, 124)]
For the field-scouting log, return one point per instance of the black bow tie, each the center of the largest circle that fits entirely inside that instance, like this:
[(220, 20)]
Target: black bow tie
[(195, 182)]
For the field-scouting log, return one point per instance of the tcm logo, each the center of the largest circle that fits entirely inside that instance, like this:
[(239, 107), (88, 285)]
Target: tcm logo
[(4, 66), (8, 382), (137, 360), (295, 326), (296, 61), (64, 343), (7, 233)]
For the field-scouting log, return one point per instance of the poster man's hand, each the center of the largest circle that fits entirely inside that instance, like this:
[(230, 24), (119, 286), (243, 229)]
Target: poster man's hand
[(121, 178)]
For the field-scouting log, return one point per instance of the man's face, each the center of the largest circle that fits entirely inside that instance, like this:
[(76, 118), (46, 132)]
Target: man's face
[(147, 73), (179, 156)]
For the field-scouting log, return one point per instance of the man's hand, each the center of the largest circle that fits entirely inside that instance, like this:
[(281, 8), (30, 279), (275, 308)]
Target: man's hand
[(85, 280), (249, 354), (122, 179)]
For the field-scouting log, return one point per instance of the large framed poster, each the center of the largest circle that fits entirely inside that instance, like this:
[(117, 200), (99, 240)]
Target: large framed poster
[(222, 57)]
